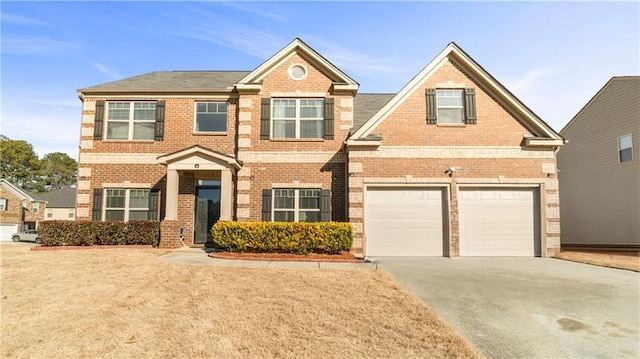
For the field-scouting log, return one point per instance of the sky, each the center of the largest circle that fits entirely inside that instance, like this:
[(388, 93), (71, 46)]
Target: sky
[(553, 56)]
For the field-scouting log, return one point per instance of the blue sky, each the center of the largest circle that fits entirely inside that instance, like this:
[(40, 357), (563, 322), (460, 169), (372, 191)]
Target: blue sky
[(554, 56)]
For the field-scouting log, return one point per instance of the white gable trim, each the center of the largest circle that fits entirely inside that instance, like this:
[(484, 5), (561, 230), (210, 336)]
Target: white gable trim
[(18, 192), (187, 155), (296, 46), (453, 53)]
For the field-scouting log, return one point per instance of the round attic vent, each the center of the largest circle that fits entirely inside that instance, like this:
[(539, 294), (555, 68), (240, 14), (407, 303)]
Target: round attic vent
[(297, 72)]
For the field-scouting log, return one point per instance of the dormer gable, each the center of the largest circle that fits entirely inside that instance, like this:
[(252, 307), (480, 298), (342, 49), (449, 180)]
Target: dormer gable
[(342, 83), (540, 134)]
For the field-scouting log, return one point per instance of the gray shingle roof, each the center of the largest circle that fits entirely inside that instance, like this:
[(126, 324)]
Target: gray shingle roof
[(365, 105), (60, 198), (173, 81)]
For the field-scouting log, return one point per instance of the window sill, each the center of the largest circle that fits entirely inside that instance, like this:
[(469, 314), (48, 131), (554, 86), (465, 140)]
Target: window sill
[(297, 139), (452, 125), (210, 133), (129, 141)]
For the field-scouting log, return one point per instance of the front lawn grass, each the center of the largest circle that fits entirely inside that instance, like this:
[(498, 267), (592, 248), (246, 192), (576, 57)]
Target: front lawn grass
[(131, 303)]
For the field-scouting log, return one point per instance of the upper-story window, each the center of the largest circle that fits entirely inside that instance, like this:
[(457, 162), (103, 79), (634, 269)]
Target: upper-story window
[(297, 118), (131, 120), (211, 117), (625, 148), (49, 213), (451, 106), (35, 207), (3, 204), (72, 213)]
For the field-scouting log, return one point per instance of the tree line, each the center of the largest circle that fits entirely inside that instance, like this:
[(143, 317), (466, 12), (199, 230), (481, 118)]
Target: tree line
[(20, 165)]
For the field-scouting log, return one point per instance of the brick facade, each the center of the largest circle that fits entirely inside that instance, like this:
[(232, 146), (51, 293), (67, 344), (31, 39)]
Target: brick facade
[(411, 152)]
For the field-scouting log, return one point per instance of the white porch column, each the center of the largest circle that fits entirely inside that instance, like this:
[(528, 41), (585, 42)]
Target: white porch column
[(226, 195), (171, 212)]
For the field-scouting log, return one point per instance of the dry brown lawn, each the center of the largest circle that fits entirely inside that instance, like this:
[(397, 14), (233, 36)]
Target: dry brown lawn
[(130, 303), (620, 260)]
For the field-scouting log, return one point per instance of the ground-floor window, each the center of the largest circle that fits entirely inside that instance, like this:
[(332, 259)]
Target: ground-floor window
[(126, 204), (296, 205)]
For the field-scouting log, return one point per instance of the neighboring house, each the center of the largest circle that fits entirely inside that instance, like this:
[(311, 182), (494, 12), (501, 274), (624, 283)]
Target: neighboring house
[(600, 169), (452, 165), (19, 210), (61, 204)]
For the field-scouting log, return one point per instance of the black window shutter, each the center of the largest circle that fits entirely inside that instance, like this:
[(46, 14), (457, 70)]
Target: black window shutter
[(159, 129), (153, 205), (328, 118), (432, 107), (265, 118), (325, 205), (266, 205), (97, 204), (98, 122), (470, 106)]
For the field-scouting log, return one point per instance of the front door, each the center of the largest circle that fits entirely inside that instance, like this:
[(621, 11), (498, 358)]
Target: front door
[(207, 210)]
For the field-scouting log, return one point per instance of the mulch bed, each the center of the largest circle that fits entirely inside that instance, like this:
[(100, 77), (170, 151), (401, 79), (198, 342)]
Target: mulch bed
[(312, 257)]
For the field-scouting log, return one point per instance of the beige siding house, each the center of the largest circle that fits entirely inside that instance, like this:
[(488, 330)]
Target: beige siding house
[(600, 169)]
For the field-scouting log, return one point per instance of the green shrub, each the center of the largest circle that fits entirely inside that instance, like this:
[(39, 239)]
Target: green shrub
[(88, 233), (283, 237)]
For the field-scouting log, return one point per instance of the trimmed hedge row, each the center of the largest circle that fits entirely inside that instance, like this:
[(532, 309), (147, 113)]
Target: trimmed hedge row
[(283, 237), (88, 233)]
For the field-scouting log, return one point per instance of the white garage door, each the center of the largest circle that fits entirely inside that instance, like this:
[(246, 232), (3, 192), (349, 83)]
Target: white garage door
[(6, 230), (499, 222), (404, 222)]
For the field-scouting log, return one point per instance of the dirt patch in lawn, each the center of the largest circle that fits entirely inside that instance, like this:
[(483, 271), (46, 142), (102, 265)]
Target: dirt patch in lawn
[(620, 260), (311, 257), (132, 304)]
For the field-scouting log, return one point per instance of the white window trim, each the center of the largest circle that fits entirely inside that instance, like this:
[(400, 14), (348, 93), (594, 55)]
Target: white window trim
[(621, 149), (195, 117), (297, 119), (127, 200), (130, 121), (3, 206), (296, 203), (35, 207), (49, 213), (438, 106)]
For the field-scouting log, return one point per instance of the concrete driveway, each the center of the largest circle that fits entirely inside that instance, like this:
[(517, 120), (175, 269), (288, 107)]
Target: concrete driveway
[(529, 307)]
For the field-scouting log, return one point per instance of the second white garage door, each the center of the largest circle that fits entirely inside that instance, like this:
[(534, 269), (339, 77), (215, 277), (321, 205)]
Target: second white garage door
[(499, 222), (404, 222)]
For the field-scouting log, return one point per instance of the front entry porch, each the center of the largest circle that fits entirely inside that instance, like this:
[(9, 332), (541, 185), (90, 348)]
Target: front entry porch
[(199, 192)]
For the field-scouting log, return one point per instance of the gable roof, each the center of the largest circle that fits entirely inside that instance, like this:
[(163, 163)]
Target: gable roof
[(455, 54), (172, 81), (60, 198), (366, 105), (625, 97), (19, 192), (297, 46)]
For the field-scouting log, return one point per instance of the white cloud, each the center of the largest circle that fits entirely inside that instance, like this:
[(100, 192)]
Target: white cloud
[(530, 79), (20, 20), (33, 45), (108, 70)]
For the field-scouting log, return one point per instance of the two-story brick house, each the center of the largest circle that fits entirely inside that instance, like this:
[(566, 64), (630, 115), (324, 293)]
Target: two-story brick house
[(292, 140), (19, 209)]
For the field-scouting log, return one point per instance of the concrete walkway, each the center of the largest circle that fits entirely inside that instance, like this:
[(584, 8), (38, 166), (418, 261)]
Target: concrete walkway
[(198, 256)]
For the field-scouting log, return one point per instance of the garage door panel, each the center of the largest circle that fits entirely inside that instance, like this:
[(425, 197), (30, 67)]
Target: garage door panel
[(499, 222), (404, 222)]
